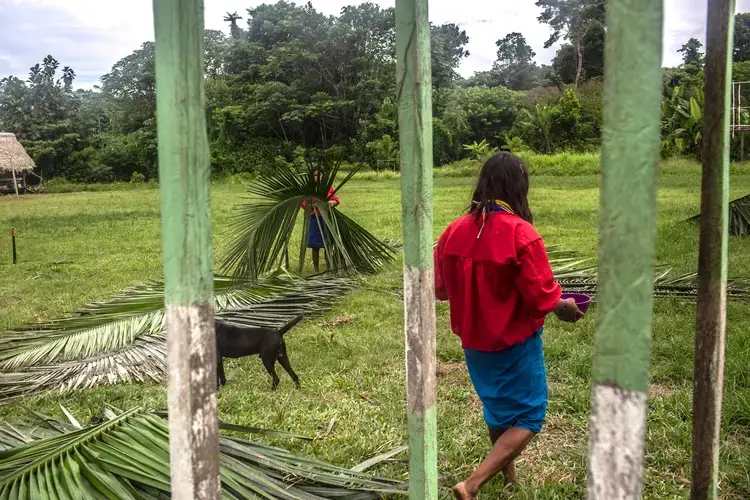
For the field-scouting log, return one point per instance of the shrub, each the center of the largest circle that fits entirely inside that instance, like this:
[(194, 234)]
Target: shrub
[(137, 178)]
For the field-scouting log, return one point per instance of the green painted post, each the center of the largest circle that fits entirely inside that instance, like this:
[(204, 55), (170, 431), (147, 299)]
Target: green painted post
[(414, 93), (184, 174), (712, 255), (627, 235)]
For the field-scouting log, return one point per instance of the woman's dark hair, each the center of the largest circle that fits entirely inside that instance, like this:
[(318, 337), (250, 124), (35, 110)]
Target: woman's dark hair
[(503, 177)]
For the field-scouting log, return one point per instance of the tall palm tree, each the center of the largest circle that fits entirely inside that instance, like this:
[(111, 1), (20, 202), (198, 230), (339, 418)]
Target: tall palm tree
[(234, 30)]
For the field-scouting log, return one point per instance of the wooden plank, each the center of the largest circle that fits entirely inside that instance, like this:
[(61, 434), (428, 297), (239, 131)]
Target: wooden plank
[(414, 89), (712, 253), (627, 232), (184, 175)]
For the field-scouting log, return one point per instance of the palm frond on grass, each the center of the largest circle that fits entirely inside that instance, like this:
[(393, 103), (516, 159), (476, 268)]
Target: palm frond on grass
[(666, 284), (127, 457), (739, 217), (122, 340), (262, 227)]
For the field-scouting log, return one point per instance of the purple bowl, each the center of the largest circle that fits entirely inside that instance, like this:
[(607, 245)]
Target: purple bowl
[(582, 301)]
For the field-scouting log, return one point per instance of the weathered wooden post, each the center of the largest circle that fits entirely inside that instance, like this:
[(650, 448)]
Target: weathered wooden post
[(186, 230), (627, 229), (414, 93), (708, 375)]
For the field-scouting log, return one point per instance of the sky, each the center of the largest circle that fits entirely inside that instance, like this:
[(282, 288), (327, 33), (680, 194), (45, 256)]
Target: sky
[(90, 36)]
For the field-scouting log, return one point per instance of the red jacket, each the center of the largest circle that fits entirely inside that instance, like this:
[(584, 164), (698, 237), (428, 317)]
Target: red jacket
[(500, 286), (331, 197)]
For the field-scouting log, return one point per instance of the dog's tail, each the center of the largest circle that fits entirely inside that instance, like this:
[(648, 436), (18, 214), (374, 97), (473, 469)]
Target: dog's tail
[(289, 325)]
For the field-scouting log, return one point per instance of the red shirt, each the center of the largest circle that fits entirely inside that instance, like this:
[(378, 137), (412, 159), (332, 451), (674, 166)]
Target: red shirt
[(500, 286), (331, 197)]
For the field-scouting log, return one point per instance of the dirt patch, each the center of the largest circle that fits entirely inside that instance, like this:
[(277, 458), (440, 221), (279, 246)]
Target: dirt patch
[(341, 320), (453, 373), (662, 391)]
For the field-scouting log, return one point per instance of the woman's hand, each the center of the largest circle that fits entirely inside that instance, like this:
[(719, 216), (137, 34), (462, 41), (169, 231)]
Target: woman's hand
[(332, 203), (568, 311)]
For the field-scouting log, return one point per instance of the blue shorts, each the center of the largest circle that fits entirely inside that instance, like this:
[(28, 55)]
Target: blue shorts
[(512, 384)]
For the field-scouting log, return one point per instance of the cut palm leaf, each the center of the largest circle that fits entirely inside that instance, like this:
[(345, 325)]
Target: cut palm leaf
[(127, 457), (739, 217), (262, 227), (122, 340)]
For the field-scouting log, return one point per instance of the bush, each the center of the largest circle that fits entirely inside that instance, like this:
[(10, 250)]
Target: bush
[(137, 178)]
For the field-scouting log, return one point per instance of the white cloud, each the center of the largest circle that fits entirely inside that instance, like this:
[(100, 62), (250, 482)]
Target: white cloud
[(91, 35)]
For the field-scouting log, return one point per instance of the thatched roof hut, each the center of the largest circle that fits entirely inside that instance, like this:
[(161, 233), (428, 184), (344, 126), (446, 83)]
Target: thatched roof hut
[(13, 156)]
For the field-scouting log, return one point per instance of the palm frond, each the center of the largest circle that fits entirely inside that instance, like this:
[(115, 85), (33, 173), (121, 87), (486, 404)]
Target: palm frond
[(127, 457), (739, 217), (666, 284), (262, 227), (97, 347)]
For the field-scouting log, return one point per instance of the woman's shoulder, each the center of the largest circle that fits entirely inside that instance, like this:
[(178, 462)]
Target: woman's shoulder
[(525, 232)]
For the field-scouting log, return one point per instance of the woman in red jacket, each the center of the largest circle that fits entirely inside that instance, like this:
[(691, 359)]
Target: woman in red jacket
[(491, 265)]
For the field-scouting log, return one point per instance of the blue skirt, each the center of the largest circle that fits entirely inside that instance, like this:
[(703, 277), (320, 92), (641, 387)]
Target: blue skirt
[(512, 384), (314, 235)]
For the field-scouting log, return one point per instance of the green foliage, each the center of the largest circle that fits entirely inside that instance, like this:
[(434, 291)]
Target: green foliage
[(692, 57), (682, 123), (481, 113), (742, 37), (538, 125), (384, 150), (137, 178), (292, 77), (478, 151)]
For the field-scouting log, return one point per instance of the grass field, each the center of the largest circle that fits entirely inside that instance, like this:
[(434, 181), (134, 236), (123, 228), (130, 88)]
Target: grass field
[(79, 247)]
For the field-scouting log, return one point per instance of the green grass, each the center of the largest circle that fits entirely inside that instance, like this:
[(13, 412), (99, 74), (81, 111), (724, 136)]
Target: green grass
[(74, 248)]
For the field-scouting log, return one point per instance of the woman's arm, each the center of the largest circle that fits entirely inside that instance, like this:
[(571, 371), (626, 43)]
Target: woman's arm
[(540, 291), (333, 200)]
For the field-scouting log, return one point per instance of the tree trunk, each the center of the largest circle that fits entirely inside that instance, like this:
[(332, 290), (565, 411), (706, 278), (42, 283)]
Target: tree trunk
[(710, 332), (580, 58)]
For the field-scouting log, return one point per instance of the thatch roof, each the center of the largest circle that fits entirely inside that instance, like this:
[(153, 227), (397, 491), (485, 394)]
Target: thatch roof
[(13, 156), (739, 217)]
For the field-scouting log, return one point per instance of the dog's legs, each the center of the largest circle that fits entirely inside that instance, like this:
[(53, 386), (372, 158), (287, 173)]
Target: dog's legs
[(269, 363), (220, 369), (284, 361)]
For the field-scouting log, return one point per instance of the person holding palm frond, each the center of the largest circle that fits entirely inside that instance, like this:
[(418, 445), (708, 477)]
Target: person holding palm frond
[(263, 226), (316, 232)]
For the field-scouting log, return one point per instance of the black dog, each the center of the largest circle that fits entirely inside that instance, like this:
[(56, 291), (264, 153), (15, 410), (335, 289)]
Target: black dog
[(234, 341)]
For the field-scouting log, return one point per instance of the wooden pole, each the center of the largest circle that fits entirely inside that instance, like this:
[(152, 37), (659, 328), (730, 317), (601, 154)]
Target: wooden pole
[(627, 236), (13, 242), (708, 374), (184, 180), (15, 181), (414, 94)]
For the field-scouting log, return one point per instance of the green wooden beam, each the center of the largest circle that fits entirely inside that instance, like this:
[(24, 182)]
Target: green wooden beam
[(184, 180), (414, 89), (627, 236), (712, 254)]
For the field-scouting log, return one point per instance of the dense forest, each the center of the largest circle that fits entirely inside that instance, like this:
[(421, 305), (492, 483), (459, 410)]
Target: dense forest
[(289, 78)]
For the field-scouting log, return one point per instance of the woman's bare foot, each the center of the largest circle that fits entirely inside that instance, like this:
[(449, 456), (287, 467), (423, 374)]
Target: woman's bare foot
[(461, 491)]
